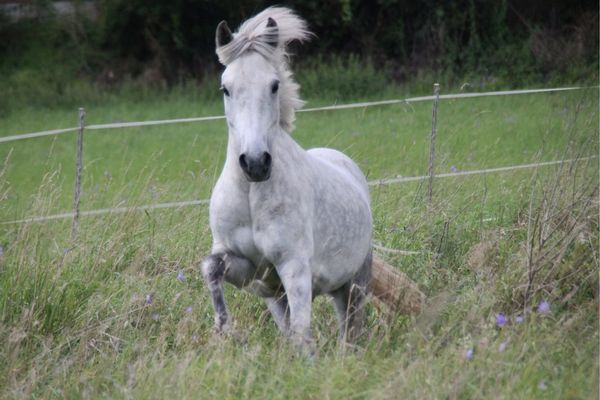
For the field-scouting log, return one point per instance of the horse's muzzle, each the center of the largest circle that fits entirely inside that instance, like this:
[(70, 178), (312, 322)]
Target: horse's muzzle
[(256, 169)]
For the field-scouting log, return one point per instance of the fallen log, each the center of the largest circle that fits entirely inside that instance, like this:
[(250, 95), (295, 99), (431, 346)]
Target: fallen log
[(392, 291)]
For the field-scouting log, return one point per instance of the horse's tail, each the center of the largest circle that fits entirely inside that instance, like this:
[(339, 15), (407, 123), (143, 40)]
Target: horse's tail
[(392, 291)]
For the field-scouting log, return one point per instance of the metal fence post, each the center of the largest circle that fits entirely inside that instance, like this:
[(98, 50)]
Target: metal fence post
[(436, 93), (79, 165)]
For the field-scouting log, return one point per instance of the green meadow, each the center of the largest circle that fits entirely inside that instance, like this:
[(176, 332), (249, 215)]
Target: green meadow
[(508, 260), (180, 161)]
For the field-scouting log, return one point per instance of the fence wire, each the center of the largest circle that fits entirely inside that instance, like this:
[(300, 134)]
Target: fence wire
[(116, 125), (378, 182)]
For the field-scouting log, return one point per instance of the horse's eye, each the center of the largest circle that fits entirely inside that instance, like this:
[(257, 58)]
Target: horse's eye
[(274, 87), (225, 91)]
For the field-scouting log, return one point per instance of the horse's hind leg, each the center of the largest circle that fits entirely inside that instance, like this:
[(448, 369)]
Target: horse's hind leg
[(278, 306), (349, 301)]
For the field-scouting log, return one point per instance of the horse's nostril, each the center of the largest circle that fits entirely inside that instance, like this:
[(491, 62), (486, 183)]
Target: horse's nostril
[(243, 162), (266, 159), (256, 169)]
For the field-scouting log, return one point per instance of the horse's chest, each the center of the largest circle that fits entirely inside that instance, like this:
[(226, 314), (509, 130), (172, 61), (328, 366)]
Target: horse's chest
[(233, 229), (241, 240)]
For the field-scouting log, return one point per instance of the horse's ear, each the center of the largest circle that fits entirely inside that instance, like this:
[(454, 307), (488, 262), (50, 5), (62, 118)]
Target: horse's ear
[(272, 36), (224, 34)]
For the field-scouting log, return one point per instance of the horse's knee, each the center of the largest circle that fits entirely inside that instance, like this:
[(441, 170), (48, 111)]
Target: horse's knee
[(213, 269)]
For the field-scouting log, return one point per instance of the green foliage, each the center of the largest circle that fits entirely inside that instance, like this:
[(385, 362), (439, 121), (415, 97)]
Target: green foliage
[(342, 78), (162, 44)]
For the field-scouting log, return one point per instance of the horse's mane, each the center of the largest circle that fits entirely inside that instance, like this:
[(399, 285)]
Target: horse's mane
[(255, 35)]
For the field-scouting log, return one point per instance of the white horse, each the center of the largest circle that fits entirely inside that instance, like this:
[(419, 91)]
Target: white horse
[(287, 224)]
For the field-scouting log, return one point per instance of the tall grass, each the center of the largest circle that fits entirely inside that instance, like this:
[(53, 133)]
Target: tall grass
[(121, 312), (107, 316)]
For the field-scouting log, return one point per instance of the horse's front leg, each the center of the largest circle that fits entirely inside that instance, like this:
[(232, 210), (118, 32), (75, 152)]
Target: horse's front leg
[(213, 271), (296, 278), (217, 268)]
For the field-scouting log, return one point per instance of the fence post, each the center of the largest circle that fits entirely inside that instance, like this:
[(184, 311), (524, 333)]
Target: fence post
[(79, 165), (436, 93)]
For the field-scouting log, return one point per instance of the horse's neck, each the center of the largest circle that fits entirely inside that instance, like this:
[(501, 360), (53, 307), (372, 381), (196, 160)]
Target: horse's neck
[(285, 148)]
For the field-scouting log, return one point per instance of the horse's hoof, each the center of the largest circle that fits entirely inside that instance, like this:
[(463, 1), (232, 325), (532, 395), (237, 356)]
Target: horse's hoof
[(305, 346), (228, 331), (222, 329)]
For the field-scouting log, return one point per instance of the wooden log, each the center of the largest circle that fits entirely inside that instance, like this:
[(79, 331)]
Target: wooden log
[(392, 291)]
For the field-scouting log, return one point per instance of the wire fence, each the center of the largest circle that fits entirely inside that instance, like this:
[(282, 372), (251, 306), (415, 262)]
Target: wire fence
[(76, 213), (23, 136), (376, 182)]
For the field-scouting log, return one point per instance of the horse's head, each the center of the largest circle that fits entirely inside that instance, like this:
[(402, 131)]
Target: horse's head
[(250, 86), (259, 94)]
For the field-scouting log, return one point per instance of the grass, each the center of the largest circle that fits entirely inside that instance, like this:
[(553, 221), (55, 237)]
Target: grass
[(177, 162), (75, 318)]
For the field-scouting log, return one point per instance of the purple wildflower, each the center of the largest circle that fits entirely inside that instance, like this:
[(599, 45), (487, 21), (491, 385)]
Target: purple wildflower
[(149, 298), (453, 168), (544, 307), (542, 385), (469, 354), (195, 338), (500, 319), (502, 347), (181, 277), (188, 310), (519, 319)]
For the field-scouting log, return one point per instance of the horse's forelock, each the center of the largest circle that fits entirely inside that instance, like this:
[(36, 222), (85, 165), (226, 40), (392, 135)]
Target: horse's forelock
[(258, 34)]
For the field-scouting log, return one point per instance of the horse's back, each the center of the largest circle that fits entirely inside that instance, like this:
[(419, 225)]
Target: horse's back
[(345, 165)]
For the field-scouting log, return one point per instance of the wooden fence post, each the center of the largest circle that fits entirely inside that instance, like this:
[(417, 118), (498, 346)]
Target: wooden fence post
[(79, 166), (436, 93)]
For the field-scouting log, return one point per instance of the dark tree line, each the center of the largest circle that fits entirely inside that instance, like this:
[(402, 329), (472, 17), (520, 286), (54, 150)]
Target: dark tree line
[(176, 38)]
